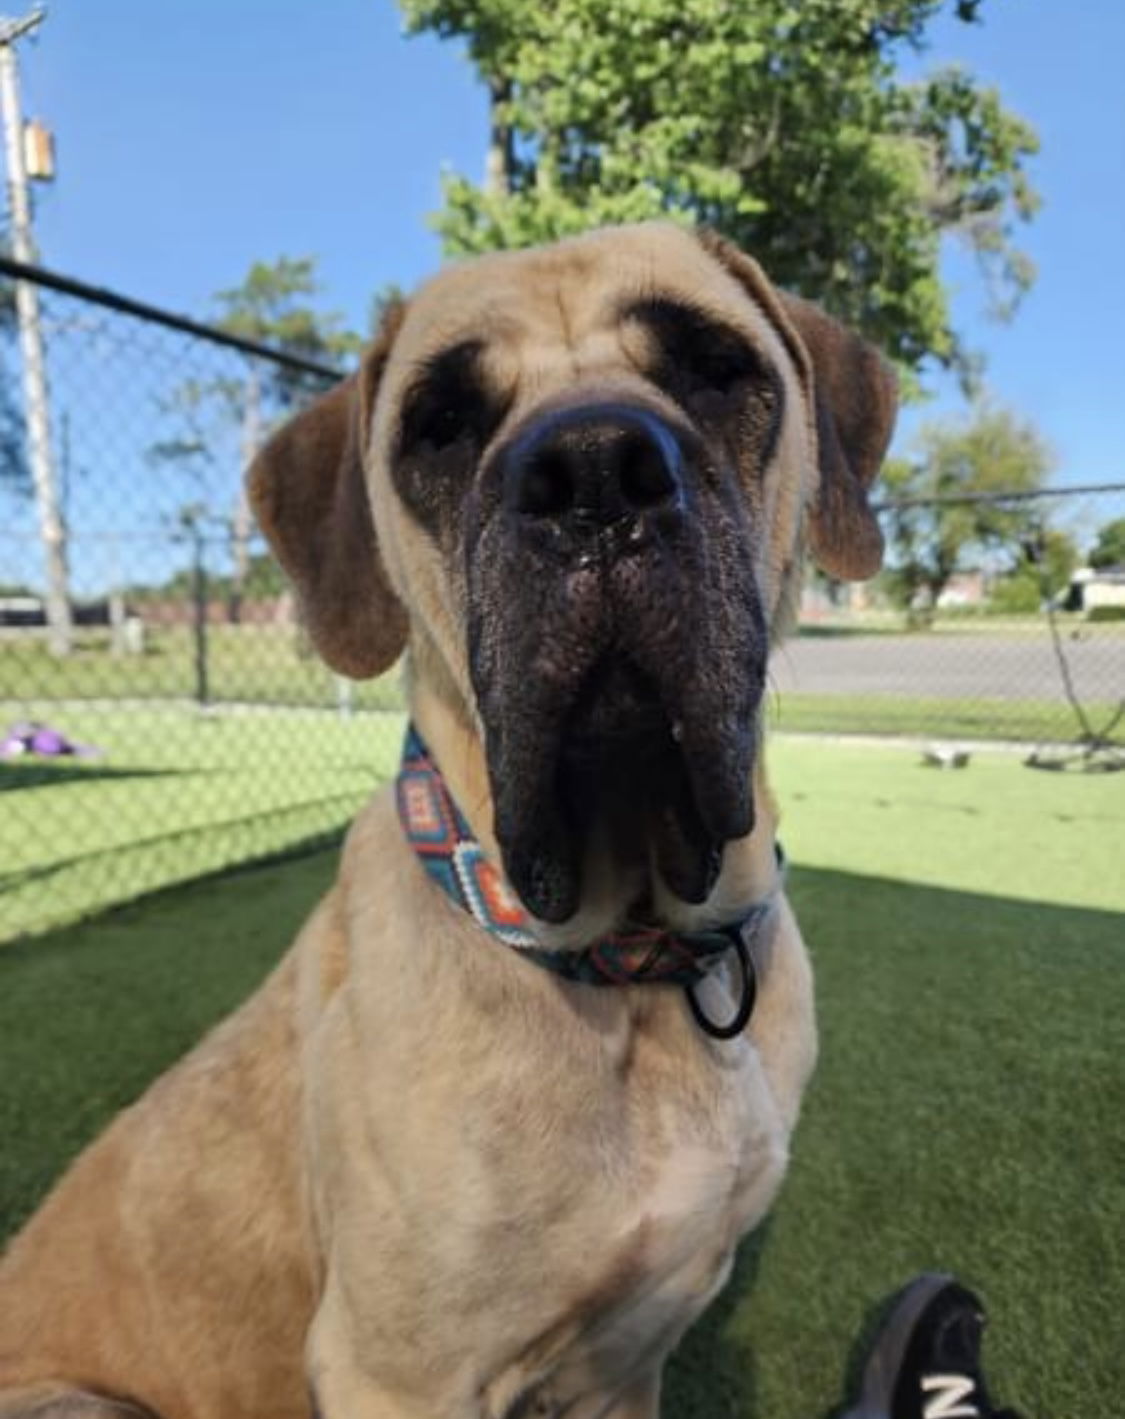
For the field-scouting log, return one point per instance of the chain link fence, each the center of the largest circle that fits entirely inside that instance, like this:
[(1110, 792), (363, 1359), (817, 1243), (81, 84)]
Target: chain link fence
[(172, 720), (1024, 642), (178, 723)]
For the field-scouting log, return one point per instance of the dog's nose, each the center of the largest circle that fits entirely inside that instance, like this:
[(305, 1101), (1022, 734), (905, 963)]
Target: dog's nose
[(594, 466)]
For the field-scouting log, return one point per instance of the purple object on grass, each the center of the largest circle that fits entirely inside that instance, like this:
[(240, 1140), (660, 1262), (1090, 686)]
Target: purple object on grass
[(44, 741)]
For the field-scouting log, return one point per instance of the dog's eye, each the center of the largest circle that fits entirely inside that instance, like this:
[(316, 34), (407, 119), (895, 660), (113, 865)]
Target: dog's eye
[(695, 352), (438, 427), (718, 363), (447, 403)]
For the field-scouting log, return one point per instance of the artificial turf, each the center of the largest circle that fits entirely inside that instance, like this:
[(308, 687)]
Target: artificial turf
[(968, 1112)]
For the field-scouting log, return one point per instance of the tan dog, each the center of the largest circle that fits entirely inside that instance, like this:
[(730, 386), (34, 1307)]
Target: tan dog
[(416, 1175)]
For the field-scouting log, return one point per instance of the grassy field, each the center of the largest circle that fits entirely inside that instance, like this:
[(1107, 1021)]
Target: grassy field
[(968, 1112), (250, 664), (919, 716), (267, 665), (177, 794)]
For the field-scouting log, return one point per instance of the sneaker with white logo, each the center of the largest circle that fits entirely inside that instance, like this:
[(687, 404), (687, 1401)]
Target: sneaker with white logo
[(925, 1363)]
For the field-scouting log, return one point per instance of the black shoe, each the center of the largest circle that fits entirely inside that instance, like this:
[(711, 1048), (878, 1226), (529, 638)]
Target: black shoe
[(925, 1363)]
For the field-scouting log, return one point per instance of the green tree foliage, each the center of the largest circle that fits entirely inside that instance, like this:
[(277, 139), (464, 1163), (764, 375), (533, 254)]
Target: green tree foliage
[(274, 304), (264, 580), (1109, 549), (785, 125), (1053, 555), (1046, 558), (934, 524)]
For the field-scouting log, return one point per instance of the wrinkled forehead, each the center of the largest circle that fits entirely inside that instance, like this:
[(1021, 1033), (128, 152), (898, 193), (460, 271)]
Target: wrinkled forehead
[(548, 314)]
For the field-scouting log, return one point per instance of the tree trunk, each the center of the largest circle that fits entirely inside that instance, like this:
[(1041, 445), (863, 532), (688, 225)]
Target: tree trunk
[(500, 160), (242, 523), (936, 583)]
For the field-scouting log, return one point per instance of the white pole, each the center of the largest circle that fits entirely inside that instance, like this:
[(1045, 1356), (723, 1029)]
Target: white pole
[(52, 533)]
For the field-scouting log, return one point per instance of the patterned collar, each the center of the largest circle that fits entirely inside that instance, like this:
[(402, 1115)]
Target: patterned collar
[(636, 955)]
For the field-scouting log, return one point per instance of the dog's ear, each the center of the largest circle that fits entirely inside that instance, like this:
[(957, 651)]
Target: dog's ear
[(854, 394), (308, 492)]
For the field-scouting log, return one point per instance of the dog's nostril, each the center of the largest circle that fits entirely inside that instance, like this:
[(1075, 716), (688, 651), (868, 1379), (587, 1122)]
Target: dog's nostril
[(588, 467), (547, 486), (644, 471)]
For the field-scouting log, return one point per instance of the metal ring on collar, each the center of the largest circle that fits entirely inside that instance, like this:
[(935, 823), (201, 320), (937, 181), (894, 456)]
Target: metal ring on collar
[(747, 996)]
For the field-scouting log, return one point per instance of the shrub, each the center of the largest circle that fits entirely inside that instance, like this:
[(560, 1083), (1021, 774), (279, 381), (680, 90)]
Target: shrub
[(1016, 594)]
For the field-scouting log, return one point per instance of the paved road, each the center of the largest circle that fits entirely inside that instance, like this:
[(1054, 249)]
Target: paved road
[(974, 666)]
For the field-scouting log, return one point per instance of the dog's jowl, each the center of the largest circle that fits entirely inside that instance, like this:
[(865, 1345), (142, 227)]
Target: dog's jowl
[(485, 1141)]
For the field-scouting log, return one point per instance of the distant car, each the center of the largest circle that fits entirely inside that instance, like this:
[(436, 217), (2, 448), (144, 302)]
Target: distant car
[(22, 611), (31, 612)]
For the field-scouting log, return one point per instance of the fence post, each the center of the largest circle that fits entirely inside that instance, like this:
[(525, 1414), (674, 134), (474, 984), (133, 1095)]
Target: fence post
[(199, 597), (191, 519)]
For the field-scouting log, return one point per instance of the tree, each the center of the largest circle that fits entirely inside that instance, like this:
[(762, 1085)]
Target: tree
[(271, 306), (1052, 555), (784, 125), (263, 578), (934, 518), (1109, 549), (1044, 562)]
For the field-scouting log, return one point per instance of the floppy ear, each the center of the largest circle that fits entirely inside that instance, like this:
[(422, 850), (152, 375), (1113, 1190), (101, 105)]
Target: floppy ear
[(308, 492), (855, 395)]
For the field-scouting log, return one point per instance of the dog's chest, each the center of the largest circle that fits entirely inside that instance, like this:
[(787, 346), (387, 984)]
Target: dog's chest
[(669, 1190), (555, 1203)]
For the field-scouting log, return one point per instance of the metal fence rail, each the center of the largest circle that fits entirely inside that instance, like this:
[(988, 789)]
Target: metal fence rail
[(189, 727)]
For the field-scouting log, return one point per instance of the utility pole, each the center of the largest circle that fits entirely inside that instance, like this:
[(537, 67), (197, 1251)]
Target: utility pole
[(37, 412)]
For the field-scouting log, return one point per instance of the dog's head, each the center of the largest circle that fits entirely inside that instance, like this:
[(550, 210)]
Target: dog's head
[(577, 482)]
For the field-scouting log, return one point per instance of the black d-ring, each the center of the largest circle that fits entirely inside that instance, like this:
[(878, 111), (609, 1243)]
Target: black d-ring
[(745, 1002)]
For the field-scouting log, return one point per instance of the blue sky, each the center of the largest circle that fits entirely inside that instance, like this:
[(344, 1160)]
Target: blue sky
[(194, 138)]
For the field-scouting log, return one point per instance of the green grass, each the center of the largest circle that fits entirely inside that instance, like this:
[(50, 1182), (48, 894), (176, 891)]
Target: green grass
[(90, 1014), (917, 716), (995, 828), (968, 1112), (177, 795), (248, 664), (271, 666), (966, 621)]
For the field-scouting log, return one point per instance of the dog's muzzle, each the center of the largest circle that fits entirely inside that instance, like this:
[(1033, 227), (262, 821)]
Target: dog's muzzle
[(616, 647)]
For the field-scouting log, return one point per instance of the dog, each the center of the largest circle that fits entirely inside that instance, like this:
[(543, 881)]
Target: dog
[(417, 1174)]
